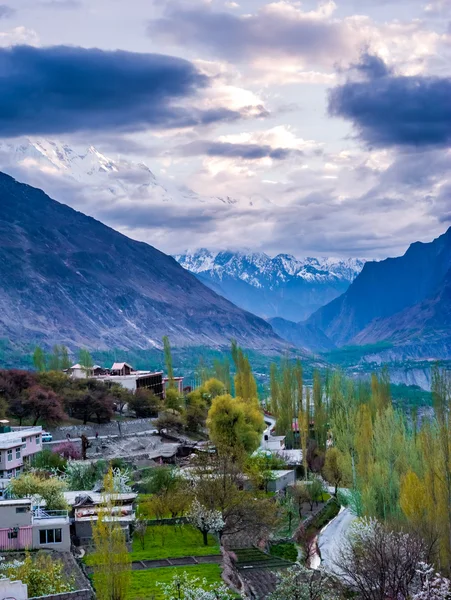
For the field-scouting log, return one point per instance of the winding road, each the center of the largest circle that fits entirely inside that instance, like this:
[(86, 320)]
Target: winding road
[(331, 538)]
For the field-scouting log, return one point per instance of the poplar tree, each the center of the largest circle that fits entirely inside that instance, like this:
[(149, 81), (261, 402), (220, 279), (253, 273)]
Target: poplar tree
[(168, 361), (111, 559), (39, 360)]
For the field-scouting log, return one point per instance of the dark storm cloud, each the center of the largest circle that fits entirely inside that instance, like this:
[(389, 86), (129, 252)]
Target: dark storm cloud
[(6, 11), (240, 37), (64, 89), (391, 110), (229, 150)]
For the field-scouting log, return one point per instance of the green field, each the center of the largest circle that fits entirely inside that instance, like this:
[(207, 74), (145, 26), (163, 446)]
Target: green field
[(144, 584), (169, 541)]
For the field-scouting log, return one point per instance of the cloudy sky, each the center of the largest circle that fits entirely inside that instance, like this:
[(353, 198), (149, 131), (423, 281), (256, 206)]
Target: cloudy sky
[(311, 128)]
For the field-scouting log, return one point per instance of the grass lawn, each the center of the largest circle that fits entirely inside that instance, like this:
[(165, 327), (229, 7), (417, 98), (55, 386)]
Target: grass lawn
[(144, 583), (169, 541)]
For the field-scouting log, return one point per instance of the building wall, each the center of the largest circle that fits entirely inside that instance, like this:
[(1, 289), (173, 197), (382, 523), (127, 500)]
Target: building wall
[(24, 539), (63, 546), (282, 482), (15, 515), (13, 589)]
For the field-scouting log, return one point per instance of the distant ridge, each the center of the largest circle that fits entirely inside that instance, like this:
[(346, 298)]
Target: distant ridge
[(283, 286), (404, 300)]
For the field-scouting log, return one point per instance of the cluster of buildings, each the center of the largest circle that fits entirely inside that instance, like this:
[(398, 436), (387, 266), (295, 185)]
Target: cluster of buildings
[(128, 377)]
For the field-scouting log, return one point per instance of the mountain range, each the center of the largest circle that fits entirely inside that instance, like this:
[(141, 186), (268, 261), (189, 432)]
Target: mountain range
[(405, 301), (51, 164), (66, 278), (281, 287)]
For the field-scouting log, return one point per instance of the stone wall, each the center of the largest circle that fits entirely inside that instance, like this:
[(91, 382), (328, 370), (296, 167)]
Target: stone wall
[(77, 595), (128, 427)]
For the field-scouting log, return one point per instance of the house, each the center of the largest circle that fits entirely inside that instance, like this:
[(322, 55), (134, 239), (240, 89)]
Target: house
[(121, 369), (23, 526), (281, 480), (86, 505), (273, 443), (124, 375), (17, 445)]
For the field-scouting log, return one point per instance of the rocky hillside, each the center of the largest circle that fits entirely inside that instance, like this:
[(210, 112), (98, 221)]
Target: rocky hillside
[(405, 300), (67, 278), (283, 286)]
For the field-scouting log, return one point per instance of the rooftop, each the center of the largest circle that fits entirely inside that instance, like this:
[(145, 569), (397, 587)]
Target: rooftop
[(14, 438), (19, 502)]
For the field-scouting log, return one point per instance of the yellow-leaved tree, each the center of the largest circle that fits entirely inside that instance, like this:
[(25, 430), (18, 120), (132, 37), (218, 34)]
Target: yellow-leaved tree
[(111, 560)]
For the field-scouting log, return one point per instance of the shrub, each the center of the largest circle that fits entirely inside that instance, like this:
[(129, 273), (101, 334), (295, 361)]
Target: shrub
[(286, 551), (44, 575)]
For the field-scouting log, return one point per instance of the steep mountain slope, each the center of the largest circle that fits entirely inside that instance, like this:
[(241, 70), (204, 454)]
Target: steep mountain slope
[(302, 335), (283, 286), (403, 299), (67, 278)]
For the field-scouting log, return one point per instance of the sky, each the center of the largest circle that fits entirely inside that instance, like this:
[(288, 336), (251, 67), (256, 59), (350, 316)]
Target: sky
[(309, 128)]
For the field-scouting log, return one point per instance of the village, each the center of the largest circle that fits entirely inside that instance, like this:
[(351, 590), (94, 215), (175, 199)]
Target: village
[(159, 473)]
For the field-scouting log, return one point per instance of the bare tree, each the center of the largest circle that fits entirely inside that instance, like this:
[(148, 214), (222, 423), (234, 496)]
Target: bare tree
[(380, 563)]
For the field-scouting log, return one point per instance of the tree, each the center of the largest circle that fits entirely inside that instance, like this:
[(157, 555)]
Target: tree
[(55, 359), (301, 495), (68, 450), (86, 362), (39, 359), (162, 480), (380, 563), (205, 520), (316, 492), (65, 360), (168, 361), (173, 400), (144, 403), (28, 485), (183, 587), (195, 417), (44, 405), (234, 424), (168, 421), (332, 470), (120, 396), (300, 583), (111, 559)]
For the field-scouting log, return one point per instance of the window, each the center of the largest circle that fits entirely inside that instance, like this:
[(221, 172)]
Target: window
[(50, 536), (9, 474), (24, 440), (17, 452), (10, 455), (22, 509), (38, 439), (13, 534)]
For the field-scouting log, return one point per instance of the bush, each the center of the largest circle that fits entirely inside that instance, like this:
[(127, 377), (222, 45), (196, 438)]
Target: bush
[(44, 575), (68, 450), (47, 460), (286, 551)]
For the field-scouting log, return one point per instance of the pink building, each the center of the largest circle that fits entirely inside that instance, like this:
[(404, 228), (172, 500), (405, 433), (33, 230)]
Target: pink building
[(17, 444), (23, 527)]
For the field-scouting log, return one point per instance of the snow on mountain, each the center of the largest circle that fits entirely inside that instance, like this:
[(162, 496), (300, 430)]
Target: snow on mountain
[(258, 269), (31, 159), (283, 286)]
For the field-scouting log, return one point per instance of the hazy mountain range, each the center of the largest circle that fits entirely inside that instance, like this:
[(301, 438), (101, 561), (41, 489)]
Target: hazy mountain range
[(283, 286), (67, 278), (405, 301)]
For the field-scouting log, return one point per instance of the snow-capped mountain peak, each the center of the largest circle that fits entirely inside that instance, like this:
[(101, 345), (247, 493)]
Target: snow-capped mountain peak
[(281, 286)]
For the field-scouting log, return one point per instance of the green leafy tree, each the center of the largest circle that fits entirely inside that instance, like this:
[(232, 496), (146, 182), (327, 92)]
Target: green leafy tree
[(86, 361), (168, 361), (65, 360), (234, 424), (111, 559), (55, 359), (39, 359)]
